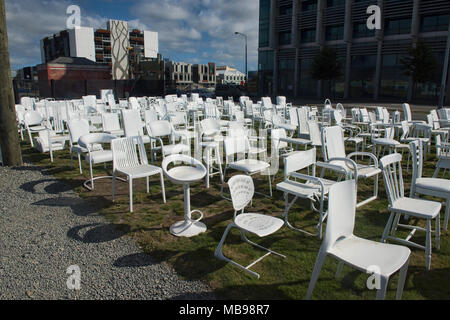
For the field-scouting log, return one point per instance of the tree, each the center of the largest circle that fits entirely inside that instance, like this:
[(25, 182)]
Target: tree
[(326, 66), (420, 64), (9, 138)]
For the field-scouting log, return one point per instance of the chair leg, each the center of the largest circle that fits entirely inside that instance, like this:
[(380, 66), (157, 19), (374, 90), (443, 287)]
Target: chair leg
[(131, 194), (162, 187), (79, 164), (315, 275), (401, 280), (148, 184), (428, 245), (381, 293), (339, 270), (447, 214), (113, 186), (92, 175), (438, 233), (387, 228)]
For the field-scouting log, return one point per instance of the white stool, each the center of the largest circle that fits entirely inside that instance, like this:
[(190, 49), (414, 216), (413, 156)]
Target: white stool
[(186, 175), (212, 155)]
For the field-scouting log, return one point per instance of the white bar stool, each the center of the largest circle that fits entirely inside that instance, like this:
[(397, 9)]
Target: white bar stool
[(211, 157), (185, 175)]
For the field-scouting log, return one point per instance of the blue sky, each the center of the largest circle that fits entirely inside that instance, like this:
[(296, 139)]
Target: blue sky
[(192, 31)]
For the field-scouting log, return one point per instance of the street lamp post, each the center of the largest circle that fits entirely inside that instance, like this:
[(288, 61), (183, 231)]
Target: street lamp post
[(246, 65)]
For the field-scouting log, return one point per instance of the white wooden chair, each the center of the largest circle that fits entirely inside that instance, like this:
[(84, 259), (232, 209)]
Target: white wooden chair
[(443, 155), (130, 159), (400, 205), (242, 191), (435, 187), (361, 254)]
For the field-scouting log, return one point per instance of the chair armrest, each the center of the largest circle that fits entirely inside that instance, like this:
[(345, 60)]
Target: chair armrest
[(310, 178), (330, 166), (351, 162), (365, 154)]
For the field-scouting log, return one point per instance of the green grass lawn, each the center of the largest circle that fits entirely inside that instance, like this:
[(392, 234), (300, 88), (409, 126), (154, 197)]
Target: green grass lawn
[(288, 278)]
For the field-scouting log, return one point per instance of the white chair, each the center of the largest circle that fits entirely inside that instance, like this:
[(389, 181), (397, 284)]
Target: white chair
[(242, 191), (400, 205), (78, 128), (158, 130), (333, 146), (192, 171), (240, 146), (408, 114), (443, 155), (111, 124), (132, 124), (361, 254), (94, 142), (34, 123), (306, 186), (130, 159), (435, 187)]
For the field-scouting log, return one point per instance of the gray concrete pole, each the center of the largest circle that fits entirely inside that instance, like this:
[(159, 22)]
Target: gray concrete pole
[(296, 44), (379, 34), (445, 70), (348, 37)]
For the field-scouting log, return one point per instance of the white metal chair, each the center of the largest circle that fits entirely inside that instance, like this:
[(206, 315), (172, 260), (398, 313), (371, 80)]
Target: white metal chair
[(435, 187), (192, 171), (400, 205), (306, 186), (34, 123), (132, 125), (158, 130), (333, 146), (242, 191), (130, 159), (111, 124), (94, 142), (77, 128), (361, 254), (443, 155)]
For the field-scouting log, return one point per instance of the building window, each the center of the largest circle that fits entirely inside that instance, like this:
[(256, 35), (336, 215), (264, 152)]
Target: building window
[(394, 83), (308, 35), (398, 26), (310, 5), (435, 23), (360, 30), (362, 76), (334, 32), (335, 3), (286, 10), (284, 38)]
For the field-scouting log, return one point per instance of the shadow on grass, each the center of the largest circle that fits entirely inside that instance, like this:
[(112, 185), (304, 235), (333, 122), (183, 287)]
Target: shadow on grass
[(97, 233), (433, 284)]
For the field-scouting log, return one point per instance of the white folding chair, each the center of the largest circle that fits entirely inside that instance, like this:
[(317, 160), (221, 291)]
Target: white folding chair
[(364, 255), (242, 191)]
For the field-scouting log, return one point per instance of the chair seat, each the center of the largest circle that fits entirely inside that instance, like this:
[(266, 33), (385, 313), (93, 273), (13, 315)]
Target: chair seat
[(362, 254), (434, 184), (304, 190), (37, 128), (249, 165), (286, 126), (101, 156), (356, 140), (364, 171), (385, 142), (261, 225), (417, 207), (118, 133), (185, 133), (140, 171)]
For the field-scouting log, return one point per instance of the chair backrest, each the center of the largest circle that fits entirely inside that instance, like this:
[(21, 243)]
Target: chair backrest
[(242, 190), (77, 128), (327, 104), (210, 126), (407, 111), (179, 118), (134, 104), (160, 128), (333, 142), (278, 134), (236, 129), (110, 122), (315, 135), (341, 109), (337, 116), (235, 145), (281, 101), (405, 130), (392, 175), (128, 152), (436, 123), (416, 149), (132, 123), (33, 118), (302, 116), (266, 102), (150, 116), (364, 115), (341, 213), (299, 161), (90, 101)]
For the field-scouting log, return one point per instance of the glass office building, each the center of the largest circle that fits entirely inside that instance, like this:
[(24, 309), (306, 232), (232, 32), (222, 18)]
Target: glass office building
[(292, 32)]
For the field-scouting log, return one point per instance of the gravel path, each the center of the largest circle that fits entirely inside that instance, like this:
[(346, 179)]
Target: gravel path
[(45, 228)]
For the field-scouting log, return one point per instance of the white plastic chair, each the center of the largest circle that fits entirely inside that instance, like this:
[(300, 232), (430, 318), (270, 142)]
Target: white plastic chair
[(132, 124), (34, 123), (77, 128), (359, 253), (242, 191), (333, 146), (111, 124), (400, 205), (443, 155), (160, 129), (435, 187), (130, 159)]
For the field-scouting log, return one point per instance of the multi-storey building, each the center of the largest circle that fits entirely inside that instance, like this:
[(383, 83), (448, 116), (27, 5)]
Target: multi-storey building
[(228, 75), (98, 46), (292, 32), (205, 74), (179, 73)]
